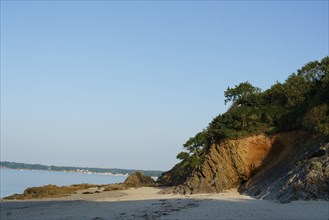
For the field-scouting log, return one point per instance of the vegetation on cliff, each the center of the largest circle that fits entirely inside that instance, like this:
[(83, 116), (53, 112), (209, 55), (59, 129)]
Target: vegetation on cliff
[(301, 102)]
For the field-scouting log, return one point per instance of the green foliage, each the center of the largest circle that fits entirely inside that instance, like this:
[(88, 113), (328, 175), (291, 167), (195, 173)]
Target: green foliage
[(244, 94), (316, 120), (182, 155), (195, 147), (195, 144), (301, 102)]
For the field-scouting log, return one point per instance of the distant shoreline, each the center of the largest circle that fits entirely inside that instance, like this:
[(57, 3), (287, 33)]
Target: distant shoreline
[(86, 170), (68, 171)]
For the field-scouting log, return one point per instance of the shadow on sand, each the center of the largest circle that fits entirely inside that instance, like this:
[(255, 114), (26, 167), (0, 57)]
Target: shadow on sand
[(163, 209)]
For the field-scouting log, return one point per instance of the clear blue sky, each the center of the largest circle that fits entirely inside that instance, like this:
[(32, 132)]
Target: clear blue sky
[(125, 84)]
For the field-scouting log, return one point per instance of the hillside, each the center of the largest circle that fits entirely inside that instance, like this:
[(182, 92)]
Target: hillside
[(271, 144)]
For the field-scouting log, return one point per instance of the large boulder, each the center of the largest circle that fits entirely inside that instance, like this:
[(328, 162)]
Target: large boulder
[(138, 179)]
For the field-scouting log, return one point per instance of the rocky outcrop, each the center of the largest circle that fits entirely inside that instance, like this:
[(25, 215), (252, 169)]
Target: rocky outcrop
[(174, 177), (138, 179), (49, 191), (302, 174), (231, 163), (285, 166)]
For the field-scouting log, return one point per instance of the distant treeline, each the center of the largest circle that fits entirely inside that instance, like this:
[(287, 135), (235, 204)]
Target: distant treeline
[(13, 165)]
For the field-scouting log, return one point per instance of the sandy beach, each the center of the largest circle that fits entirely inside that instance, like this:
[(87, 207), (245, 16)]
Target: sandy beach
[(147, 203)]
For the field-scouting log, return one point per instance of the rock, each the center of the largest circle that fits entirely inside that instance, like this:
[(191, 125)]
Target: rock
[(49, 191), (230, 163), (286, 166), (174, 177), (301, 172), (168, 179), (138, 179)]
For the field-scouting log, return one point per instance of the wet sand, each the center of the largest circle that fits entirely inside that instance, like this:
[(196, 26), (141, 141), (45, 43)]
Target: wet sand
[(147, 203)]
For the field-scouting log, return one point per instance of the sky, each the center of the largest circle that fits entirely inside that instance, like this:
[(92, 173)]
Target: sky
[(123, 84)]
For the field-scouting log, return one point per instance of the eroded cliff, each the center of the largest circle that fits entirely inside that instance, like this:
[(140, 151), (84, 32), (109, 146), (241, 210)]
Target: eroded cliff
[(302, 172), (265, 166)]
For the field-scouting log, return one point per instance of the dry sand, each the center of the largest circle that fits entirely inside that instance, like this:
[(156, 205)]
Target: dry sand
[(146, 203)]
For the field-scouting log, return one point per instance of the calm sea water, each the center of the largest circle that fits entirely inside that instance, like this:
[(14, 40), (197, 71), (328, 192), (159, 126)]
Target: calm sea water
[(16, 181)]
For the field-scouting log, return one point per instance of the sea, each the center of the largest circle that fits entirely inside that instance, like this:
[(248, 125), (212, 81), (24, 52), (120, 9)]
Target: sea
[(16, 181)]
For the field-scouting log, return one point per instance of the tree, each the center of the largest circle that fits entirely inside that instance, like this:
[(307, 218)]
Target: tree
[(314, 71), (182, 156), (242, 94), (196, 144)]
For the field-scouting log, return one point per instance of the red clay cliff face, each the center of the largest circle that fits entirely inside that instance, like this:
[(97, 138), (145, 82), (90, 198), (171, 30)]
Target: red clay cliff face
[(234, 162)]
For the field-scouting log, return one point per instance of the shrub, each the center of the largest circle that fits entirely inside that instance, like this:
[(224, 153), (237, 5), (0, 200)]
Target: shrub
[(316, 120)]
